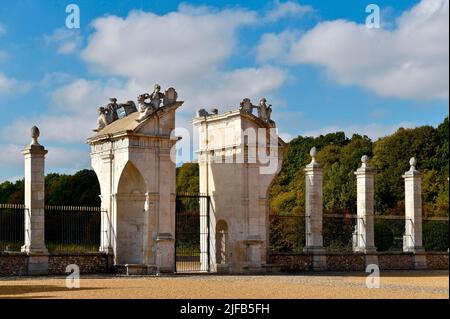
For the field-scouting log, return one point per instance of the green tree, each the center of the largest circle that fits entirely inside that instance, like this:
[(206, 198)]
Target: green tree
[(188, 178), (391, 160)]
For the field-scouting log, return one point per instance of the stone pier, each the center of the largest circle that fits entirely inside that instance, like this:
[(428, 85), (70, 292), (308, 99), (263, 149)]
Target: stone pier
[(412, 240), (34, 244), (239, 155), (314, 212), (364, 230), (131, 156)]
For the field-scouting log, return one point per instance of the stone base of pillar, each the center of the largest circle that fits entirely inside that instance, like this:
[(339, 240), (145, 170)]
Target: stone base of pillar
[(165, 254), (34, 250), (319, 258), (140, 269), (420, 261), (37, 264), (371, 259), (222, 268), (106, 250), (254, 252), (365, 250), (110, 263), (408, 246), (314, 249), (319, 262)]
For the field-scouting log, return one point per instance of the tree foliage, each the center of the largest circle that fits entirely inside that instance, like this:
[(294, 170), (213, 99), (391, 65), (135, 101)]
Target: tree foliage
[(80, 189), (340, 156), (188, 178)]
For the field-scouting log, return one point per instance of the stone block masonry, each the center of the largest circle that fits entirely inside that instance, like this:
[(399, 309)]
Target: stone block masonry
[(18, 264), (303, 262), (13, 264)]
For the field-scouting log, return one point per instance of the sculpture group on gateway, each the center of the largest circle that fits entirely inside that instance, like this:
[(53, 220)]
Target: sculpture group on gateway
[(147, 105), (246, 105), (137, 175)]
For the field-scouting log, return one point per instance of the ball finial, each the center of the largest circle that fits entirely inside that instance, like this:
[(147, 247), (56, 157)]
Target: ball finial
[(413, 163), (313, 153), (365, 159), (35, 135)]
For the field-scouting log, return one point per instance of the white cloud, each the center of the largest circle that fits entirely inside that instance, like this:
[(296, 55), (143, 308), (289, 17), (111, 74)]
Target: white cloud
[(287, 9), (174, 47), (187, 49), (11, 179), (67, 41), (7, 84), (71, 159), (58, 159), (10, 154), (276, 47), (286, 136), (373, 130), (73, 110), (407, 61)]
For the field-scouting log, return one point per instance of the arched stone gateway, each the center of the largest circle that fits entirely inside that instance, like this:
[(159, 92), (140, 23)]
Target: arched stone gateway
[(131, 157), (239, 155)]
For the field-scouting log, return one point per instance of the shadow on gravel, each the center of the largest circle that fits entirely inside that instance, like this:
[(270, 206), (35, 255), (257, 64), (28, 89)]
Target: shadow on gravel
[(15, 291), (383, 273)]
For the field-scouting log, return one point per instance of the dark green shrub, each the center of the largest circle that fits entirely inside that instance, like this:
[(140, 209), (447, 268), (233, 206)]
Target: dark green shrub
[(384, 237), (435, 236)]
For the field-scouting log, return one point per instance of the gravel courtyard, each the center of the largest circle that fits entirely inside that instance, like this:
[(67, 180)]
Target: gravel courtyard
[(401, 284)]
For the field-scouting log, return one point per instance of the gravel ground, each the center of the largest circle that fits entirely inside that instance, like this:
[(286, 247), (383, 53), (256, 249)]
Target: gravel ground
[(401, 284)]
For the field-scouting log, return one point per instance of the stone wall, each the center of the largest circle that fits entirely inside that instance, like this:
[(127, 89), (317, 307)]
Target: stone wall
[(299, 262), (346, 262), (13, 264), (292, 262), (437, 260), (92, 263), (16, 264), (395, 261)]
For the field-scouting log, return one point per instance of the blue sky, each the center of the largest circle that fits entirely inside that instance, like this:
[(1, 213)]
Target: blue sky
[(317, 63)]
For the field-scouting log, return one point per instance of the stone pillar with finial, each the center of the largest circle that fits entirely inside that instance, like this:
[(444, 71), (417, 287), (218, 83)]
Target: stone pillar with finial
[(314, 212), (34, 206), (412, 239), (363, 240)]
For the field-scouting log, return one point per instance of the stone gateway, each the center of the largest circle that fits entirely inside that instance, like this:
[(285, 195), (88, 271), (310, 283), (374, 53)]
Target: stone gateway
[(131, 157)]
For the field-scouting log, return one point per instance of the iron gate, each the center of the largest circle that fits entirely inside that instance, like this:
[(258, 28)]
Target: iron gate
[(192, 236)]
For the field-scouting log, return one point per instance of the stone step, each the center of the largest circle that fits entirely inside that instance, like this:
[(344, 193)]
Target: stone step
[(138, 269)]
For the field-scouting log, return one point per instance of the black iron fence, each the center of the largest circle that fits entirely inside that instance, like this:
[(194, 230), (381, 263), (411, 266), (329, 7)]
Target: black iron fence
[(192, 251), (72, 229), (287, 232), (12, 231)]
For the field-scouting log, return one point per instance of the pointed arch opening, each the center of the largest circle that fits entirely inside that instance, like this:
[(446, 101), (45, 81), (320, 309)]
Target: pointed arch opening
[(131, 221)]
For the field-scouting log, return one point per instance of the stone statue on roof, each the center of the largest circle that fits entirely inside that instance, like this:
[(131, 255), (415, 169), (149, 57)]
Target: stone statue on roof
[(264, 111), (102, 119), (156, 97), (155, 100), (111, 109), (247, 106), (147, 108)]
